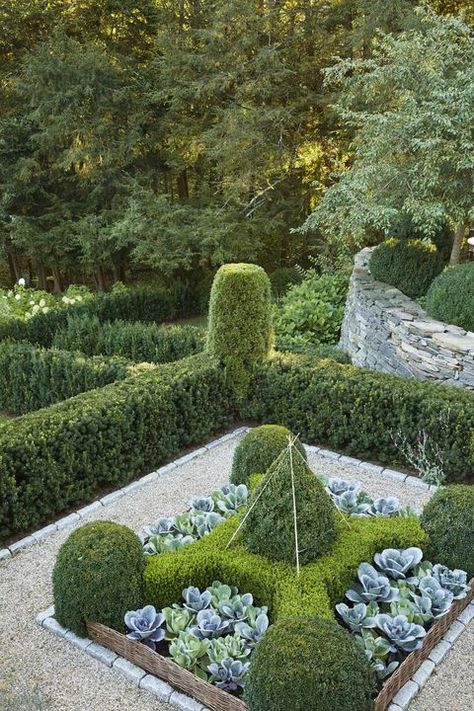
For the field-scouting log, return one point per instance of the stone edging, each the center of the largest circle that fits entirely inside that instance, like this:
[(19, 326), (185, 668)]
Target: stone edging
[(81, 514), (164, 692)]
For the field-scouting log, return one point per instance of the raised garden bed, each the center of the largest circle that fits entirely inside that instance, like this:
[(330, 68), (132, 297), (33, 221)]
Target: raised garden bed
[(219, 700), (211, 646)]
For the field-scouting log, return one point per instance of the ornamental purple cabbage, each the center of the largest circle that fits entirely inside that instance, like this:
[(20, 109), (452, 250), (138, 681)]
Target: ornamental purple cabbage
[(145, 625)]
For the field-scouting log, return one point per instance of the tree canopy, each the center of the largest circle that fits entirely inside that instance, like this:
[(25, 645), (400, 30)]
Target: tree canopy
[(411, 108), (180, 135)]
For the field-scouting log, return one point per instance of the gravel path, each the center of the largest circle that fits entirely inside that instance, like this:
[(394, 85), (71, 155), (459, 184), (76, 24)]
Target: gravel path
[(40, 671)]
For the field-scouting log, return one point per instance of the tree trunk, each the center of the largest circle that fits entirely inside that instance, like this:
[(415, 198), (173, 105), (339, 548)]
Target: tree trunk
[(459, 234), (100, 280), (58, 286), (13, 267), (42, 281)]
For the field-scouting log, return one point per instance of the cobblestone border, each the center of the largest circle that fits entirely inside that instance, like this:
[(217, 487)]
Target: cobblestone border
[(164, 692), (81, 514)]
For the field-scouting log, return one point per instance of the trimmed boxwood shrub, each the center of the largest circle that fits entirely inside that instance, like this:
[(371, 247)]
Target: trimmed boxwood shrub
[(269, 528), (258, 450), (309, 664), (408, 265), (274, 583), (133, 340), (98, 576), (240, 332), (33, 377), (450, 297), (59, 456), (448, 519), (359, 411)]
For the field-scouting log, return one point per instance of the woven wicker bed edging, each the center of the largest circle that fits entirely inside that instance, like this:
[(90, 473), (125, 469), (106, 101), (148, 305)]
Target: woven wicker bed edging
[(218, 700)]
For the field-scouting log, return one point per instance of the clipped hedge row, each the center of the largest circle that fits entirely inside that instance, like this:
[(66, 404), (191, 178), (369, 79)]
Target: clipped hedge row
[(137, 304), (32, 377), (58, 456), (359, 411), (275, 584), (133, 340)]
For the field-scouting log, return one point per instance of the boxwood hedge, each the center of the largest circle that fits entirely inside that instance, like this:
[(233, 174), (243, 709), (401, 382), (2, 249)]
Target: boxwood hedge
[(137, 304), (315, 592), (32, 377), (359, 411), (58, 456), (134, 340)]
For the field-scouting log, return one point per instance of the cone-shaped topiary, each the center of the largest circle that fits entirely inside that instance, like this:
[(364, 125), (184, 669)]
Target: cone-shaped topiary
[(98, 576), (269, 528), (448, 519), (308, 664), (240, 332), (258, 450)]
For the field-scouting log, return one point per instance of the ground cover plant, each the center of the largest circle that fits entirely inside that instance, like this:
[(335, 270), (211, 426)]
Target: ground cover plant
[(395, 601)]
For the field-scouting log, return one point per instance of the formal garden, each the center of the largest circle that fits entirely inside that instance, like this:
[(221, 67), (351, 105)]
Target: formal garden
[(236, 356)]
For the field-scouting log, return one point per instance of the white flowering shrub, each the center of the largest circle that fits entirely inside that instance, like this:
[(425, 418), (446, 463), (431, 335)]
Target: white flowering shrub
[(23, 303)]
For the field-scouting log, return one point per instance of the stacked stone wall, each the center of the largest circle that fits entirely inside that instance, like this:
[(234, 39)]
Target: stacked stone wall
[(385, 330)]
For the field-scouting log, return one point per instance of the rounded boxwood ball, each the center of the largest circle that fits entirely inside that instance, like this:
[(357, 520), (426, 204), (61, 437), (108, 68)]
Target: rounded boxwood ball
[(240, 314), (308, 664), (269, 527), (98, 576), (408, 265), (450, 297), (448, 519), (258, 450)]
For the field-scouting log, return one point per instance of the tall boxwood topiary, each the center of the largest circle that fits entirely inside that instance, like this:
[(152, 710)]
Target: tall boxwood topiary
[(269, 527), (258, 450), (309, 664), (408, 265), (448, 519), (98, 576), (240, 332), (450, 297)]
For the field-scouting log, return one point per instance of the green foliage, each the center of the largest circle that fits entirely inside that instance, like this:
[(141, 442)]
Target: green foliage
[(442, 237), (61, 455), (133, 340), (311, 313), (240, 332), (411, 135), (360, 411), (409, 265), (282, 278), (98, 576), (137, 304), (258, 450), (274, 583), (448, 519), (450, 297), (309, 664), (31, 377), (269, 528)]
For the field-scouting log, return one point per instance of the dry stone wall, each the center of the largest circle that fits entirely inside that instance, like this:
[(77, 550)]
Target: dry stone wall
[(385, 330)]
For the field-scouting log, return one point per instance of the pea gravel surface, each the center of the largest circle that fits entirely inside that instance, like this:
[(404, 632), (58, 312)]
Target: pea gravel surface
[(39, 671)]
